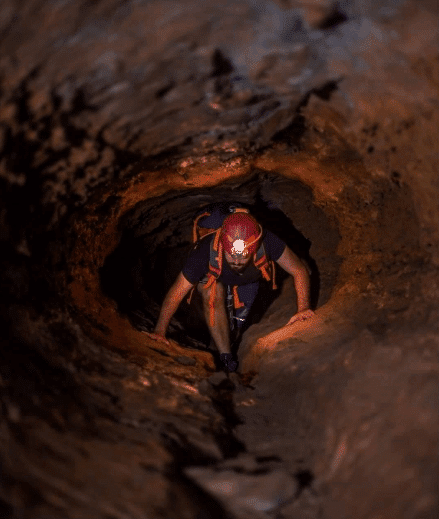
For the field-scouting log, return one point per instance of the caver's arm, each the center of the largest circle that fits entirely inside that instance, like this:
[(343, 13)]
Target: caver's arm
[(296, 268), (170, 304)]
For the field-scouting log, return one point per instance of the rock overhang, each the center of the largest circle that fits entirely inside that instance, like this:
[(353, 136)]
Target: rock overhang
[(340, 187), (77, 125)]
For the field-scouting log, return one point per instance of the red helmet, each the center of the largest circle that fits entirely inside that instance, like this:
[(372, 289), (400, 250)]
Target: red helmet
[(240, 233)]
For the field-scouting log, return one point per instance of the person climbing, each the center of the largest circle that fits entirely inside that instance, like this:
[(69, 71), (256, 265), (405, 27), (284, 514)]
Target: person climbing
[(226, 264)]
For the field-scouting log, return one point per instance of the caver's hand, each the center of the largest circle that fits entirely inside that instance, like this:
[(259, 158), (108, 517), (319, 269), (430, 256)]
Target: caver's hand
[(157, 337), (301, 316)]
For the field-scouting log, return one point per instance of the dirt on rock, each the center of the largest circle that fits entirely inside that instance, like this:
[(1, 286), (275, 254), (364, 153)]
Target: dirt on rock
[(118, 123)]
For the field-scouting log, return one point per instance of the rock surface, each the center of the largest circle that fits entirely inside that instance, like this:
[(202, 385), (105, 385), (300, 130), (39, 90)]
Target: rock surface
[(244, 494), (118, 121)]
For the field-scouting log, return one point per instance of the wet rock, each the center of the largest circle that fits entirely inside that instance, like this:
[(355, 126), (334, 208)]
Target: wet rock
[(206, 388), (244, 462), (186, 361), (121, 119), (243, 493), (319, 13), (217, 378), (308, 505)]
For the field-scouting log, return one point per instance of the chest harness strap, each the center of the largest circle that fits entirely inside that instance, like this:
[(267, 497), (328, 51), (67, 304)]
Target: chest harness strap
[(266, 267)]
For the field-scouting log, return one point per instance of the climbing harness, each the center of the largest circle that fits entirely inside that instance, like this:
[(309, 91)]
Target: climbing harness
[(236, 233)]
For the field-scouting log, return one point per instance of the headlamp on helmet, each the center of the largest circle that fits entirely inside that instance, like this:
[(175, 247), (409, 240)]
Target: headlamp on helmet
[(238, 248), (240, 234)]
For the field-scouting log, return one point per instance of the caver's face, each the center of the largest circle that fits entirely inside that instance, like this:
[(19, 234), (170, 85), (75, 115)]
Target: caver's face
[(237, 263)]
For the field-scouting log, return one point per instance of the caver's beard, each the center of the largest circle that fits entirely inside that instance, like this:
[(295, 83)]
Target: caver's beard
[(238, 267)]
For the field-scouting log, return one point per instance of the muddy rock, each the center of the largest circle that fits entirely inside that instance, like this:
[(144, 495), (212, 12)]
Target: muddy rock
[(246, 494), (119, 121)]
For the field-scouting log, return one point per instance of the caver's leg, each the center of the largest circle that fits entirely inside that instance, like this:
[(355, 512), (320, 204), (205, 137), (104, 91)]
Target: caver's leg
[(247, 295), (220, 329)]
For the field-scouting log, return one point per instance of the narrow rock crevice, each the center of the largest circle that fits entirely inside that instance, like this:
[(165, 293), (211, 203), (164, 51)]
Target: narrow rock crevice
[(156, 238), (117, 124)]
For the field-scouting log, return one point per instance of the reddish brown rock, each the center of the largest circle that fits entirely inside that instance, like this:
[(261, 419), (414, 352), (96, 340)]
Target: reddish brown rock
[(118, 121)]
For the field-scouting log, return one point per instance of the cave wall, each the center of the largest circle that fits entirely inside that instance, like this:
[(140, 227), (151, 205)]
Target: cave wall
[(108, 109)]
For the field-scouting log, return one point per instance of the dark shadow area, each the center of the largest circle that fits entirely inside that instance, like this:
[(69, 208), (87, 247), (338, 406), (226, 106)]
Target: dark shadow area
[(274, 220), (335, 17), (293, 133), (304, 479), (6, 511), (156, 239)]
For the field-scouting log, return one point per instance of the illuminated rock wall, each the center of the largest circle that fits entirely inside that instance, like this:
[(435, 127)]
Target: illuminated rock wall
[(118, 121)]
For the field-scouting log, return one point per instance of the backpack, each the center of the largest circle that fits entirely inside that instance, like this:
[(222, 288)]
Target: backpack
[(209, 221)]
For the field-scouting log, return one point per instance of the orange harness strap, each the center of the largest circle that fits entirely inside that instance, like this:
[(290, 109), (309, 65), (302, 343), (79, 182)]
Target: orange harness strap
[(212, 304), (195, 238), (191, 293), (266, 275), (212, 280), (194, 229), (217, 245), (261, 260), (214, 273), (262, 265), (273, 270), (236, 302)]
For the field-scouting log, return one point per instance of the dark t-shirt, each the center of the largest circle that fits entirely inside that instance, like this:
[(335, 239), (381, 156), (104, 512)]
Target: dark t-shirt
[(197, 264)]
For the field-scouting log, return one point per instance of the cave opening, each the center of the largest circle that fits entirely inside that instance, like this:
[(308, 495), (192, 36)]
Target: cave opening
[(156, 238), (118, 122)]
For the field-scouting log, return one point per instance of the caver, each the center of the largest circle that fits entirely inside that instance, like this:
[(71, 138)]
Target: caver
[(231, 254)]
